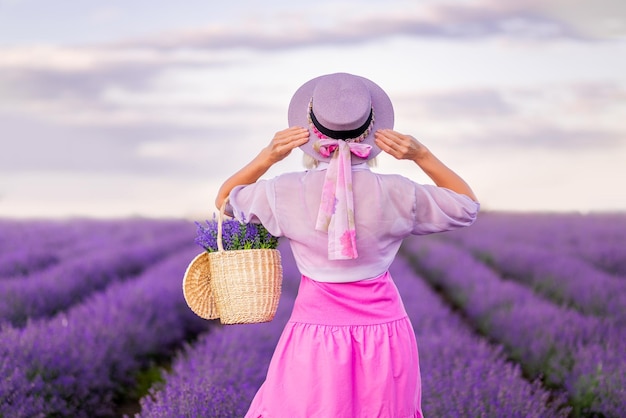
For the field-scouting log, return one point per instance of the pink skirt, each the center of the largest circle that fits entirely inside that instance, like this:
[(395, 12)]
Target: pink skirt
[(348, 350)]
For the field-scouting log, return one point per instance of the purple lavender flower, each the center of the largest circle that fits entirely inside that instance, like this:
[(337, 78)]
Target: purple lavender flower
[(206, 236), (235, 236), (251, 236)]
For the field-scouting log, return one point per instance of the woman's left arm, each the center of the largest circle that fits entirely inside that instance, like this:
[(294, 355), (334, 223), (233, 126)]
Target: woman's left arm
[(280, 147), (406, 147)]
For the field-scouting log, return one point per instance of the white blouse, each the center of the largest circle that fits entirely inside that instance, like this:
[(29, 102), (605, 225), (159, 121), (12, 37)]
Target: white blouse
[(387, 209)]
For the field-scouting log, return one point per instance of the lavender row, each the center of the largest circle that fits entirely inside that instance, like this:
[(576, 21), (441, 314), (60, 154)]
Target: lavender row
[(462, 374), (219, 375), (562, 277), (31, 246), (52, 290), (27, 246), (579, 353), (596, 238), (19, 233), (47, 233), (24, 261), (76, 363)]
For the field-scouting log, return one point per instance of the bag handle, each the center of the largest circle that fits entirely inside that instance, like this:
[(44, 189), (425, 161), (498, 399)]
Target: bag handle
[(220, 221)]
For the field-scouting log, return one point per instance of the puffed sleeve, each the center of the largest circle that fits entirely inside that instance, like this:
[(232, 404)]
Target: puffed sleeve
[(437, 209), (256, 203)]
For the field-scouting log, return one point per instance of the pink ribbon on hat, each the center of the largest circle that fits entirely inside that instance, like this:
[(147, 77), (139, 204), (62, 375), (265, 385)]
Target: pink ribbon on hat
[(336, 211)]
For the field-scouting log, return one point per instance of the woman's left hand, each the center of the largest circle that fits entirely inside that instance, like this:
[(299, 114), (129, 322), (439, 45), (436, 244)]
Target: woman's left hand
[(400, 146)]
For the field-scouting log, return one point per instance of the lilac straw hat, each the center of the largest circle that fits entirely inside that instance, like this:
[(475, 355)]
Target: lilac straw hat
[(340, 106)]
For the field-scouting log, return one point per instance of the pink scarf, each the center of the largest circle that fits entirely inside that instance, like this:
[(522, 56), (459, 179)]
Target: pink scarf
[(336, 212)]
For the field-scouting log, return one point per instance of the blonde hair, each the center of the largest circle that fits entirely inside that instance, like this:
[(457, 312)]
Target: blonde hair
[(310, 163)]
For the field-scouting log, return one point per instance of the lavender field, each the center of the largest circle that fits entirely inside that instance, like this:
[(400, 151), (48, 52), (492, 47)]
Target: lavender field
[(520, 315)]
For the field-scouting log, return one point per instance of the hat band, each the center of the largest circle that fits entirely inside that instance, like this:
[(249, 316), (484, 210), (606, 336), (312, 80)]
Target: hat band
[(351, 134)]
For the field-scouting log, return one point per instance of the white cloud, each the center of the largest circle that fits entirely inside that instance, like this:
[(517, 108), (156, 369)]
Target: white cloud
[(460, 21), (598, 18)]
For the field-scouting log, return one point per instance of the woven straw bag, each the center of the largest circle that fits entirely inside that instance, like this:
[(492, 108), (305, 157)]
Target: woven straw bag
[(238, 286)]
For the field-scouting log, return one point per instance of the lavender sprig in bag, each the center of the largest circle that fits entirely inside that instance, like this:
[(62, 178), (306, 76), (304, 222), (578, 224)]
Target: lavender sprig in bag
[(235, 236)]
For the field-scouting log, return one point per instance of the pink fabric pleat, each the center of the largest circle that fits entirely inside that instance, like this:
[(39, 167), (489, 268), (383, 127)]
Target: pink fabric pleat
[(348, 350)]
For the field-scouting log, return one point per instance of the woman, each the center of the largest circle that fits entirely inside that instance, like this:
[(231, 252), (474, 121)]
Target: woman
[(348, 349)]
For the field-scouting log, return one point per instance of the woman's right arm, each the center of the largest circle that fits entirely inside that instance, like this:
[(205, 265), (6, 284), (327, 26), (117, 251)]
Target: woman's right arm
[(281, 145), (406, 147)]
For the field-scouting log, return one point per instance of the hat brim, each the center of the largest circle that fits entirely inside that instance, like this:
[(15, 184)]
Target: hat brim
[(197, 287), (298, 116)]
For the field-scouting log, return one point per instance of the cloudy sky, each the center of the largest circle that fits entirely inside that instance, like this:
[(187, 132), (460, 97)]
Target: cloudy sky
[(125, 108)]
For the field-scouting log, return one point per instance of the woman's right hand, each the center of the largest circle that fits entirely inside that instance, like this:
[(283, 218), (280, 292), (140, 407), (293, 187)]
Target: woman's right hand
[(284, 142)]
